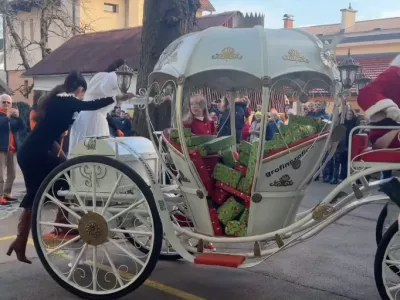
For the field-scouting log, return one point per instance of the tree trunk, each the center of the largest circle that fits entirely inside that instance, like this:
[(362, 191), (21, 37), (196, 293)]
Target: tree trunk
[(163, 22)]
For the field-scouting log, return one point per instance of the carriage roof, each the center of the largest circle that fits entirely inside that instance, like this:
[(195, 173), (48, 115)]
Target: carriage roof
[(226, 58)]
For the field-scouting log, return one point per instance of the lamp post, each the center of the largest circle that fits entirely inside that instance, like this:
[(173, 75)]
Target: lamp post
[(124, 77), (348, 69), (362, 80)]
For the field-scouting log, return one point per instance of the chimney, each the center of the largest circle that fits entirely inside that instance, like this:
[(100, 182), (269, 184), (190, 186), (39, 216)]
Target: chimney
[(348, 17), (288, 21)]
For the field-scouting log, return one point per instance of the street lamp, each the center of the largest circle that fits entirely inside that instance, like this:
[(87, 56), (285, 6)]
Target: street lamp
[(124, 77), (348, 69), (362, 80)]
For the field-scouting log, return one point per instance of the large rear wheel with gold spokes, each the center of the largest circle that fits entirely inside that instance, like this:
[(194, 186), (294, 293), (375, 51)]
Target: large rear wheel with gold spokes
[(82, 214)]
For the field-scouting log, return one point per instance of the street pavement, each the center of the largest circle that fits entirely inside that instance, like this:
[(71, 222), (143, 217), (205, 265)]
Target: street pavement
[(335, 265)]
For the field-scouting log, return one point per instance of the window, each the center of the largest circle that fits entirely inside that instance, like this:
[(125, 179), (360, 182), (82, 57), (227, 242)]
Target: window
[(110, 7)]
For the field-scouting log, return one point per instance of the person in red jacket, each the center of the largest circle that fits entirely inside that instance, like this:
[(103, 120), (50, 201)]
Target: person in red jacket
[(198, 119), (380, 100)]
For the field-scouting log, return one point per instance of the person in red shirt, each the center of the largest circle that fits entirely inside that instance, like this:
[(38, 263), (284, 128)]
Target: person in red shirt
[(199, 121), (198, 118)]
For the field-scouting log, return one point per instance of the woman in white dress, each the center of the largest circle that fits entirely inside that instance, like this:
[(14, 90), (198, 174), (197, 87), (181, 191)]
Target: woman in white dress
[(95, 123)]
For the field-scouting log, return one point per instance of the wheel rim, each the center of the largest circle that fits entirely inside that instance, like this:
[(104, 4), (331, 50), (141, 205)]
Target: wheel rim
[(390, 268), (101, 260)]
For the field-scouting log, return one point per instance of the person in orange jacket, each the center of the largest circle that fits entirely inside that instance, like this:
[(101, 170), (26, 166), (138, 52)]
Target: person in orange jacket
[(10, 126)]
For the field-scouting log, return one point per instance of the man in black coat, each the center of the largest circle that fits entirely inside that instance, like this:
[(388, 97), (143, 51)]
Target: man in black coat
[(10, 126)]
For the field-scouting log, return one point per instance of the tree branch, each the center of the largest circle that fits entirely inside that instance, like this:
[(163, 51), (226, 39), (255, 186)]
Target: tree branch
[(53, 18), (17, 41)]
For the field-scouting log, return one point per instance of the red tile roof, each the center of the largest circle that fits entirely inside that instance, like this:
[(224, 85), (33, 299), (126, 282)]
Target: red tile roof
[(373, 64), (206, 5), (360, 26), (93, 52)]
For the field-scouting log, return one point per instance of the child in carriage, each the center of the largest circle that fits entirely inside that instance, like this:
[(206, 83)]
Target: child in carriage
[(255, 127), (380, 100), (198, 119)]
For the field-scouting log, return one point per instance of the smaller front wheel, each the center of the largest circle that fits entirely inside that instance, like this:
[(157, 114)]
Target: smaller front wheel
[(167, 252), (387, 262), (381, 224)]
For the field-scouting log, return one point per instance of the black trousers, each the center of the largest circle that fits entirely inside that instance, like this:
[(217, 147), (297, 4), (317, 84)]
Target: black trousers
[(337, 166), (35, 169)]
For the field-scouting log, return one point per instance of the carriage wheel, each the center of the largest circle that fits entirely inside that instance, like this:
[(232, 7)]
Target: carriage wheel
[(387, 262), (382, 224), (88, 253), (167, 252)]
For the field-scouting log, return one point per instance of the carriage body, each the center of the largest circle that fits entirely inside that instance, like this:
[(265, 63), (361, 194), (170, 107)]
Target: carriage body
[(221, 59), (112, 147)]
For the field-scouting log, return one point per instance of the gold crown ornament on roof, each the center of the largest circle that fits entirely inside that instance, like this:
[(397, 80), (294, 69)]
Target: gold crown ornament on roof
[(294, 55), (227, 53)]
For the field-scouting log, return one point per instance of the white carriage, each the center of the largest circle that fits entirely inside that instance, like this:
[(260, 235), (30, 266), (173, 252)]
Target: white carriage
[(115, 193)]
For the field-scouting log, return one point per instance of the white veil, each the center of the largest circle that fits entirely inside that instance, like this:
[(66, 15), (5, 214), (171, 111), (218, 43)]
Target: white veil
[(94, 123)]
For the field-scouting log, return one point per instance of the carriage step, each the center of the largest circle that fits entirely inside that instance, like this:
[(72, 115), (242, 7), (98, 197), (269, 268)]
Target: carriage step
[(222, 260)]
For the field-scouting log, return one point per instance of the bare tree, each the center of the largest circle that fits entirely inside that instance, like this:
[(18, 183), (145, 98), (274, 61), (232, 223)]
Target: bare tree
[(163, 22), (54, 18)]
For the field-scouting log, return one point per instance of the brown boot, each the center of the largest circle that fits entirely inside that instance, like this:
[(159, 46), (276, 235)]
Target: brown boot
[(19, 245), (62, 217)]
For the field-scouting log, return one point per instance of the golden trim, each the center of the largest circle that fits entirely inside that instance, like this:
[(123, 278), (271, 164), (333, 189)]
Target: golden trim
[(322, 211), (171, 59), (294, 55), (169, 56), (93, 229), (227, 53)]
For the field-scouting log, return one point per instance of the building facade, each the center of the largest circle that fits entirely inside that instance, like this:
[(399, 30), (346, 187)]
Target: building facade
[(372, 43), (106, 46), (77, 15)]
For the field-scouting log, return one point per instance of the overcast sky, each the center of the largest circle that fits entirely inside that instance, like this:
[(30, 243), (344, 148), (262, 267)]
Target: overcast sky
[(310, 12)]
